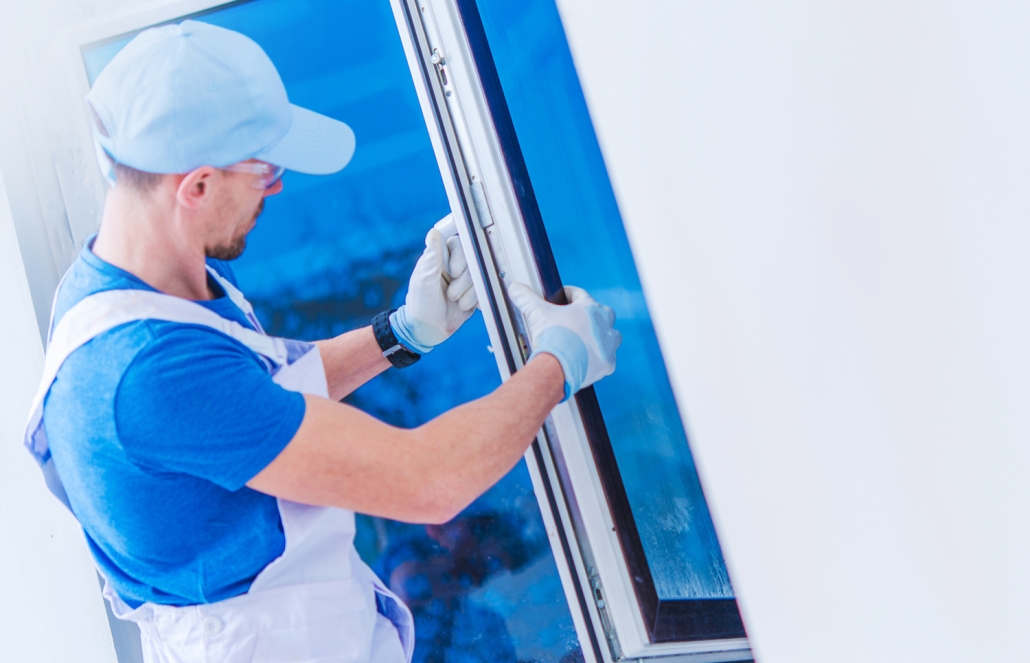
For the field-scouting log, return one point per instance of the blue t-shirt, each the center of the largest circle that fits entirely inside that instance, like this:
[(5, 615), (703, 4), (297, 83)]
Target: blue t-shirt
[(155, 428)]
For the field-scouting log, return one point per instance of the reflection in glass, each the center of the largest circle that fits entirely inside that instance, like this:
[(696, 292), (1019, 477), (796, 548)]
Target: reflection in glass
[(329, 253), (592, 251)]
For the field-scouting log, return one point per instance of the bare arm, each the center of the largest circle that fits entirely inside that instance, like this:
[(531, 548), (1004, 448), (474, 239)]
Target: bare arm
[(345, 458), (351, 360)]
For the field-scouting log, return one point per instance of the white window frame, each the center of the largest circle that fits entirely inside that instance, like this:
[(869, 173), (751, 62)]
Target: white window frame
[(579, 523), (591, 562)]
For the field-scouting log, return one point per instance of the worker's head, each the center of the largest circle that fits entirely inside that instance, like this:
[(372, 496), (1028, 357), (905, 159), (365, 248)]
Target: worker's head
[(194, 118)]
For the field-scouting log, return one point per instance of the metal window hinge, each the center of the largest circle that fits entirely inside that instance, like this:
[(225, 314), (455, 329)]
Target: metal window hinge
[(486, 219), (597, 592)]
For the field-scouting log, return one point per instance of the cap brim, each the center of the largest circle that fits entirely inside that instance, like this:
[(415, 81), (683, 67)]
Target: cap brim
[(314, 144)]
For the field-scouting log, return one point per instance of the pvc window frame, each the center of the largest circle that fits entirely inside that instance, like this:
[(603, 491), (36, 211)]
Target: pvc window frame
[(605, 576), (502, 232)]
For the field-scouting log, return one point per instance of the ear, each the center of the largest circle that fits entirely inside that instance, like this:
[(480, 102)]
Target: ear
[(195, 188)]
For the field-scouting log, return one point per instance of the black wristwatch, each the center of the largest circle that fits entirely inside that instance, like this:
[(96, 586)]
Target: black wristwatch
[(392, 349)]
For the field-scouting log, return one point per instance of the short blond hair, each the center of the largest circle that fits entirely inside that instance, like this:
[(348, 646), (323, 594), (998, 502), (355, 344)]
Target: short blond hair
[(127, 175)]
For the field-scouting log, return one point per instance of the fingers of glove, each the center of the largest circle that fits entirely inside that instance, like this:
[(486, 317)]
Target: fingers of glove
[(576, 295), (456, 263), (432, 257), (524, 299), (532, 306), (469, 301), (459, 286), (605, 337), (614, 340), (618, 338), (434, 238)]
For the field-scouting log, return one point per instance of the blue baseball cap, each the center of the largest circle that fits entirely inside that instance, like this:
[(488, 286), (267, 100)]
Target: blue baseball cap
[(179, 97)]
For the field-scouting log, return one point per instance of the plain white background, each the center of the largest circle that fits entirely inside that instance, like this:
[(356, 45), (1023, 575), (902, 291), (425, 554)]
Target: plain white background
[(51, 609), (829, 203)]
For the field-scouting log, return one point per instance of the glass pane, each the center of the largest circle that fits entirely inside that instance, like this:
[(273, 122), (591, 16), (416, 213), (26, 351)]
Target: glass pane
[(330, 252), (592, 251)]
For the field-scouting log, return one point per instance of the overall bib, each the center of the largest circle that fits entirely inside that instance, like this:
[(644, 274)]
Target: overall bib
[(316, 602)]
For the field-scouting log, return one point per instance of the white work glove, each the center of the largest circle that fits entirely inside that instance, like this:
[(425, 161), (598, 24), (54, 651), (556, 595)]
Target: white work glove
[(581, 335), (459, 286), (437, 303)]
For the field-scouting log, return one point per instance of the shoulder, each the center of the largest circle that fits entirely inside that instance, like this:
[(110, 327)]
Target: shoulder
[(196, 402), (89, 275), (163, 354), (185, 344), (184, 369)]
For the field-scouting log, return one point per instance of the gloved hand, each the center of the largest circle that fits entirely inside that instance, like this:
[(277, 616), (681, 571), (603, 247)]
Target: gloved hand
[(459, 288), (437, 303), (581, 335)]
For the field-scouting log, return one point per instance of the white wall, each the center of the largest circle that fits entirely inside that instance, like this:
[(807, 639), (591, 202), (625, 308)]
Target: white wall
[(46, 154), (830, 206), (51, 610)]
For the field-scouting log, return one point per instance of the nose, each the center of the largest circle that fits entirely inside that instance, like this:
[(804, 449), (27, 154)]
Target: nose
[(275, 188)]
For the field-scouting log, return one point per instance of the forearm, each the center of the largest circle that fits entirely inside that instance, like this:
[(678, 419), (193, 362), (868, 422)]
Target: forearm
[(467, 450), (345, 458), (351, 360)]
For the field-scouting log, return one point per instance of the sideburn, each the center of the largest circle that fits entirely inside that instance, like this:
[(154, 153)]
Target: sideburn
[(234, 249)]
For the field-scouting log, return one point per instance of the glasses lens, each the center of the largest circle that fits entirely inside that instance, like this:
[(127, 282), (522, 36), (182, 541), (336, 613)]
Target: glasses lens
[(267, 174), (273, 176)]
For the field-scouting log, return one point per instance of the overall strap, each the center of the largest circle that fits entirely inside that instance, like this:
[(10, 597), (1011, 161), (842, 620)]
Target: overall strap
[(106, 310), (236, 297), (53, 307)]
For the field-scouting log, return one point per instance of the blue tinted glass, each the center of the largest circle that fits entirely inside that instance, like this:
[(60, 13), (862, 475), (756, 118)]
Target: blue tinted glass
[(591, 249), (330, 252)]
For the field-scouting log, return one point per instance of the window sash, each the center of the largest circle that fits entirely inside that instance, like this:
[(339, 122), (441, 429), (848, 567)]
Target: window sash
[(579, 487)]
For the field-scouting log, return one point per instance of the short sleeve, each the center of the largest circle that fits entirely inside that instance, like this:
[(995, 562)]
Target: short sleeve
[(197, 402)]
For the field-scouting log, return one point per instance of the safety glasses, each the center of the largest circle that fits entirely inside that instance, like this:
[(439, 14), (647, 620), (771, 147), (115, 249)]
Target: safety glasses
[(268, 174)]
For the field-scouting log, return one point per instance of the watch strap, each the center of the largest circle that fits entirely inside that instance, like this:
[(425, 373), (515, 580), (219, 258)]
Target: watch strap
[(398, 355)]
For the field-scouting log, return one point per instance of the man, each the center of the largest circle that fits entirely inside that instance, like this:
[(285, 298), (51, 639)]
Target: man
[(212, 468)]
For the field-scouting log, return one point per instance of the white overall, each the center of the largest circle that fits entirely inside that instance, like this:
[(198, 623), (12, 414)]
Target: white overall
[(318, 601)]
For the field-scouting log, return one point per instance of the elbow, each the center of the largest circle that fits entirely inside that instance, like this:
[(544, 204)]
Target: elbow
[(441, 502), (442, 486), (444, 480), (439, 517)]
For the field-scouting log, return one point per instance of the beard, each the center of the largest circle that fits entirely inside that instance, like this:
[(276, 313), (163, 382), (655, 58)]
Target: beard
[(234, 249), (230, 251)]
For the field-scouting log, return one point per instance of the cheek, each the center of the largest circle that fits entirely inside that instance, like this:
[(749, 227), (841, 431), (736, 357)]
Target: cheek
[(245, 205), (255, 199)]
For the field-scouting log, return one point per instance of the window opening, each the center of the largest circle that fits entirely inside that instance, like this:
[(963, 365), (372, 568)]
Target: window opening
[(327, 254)]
